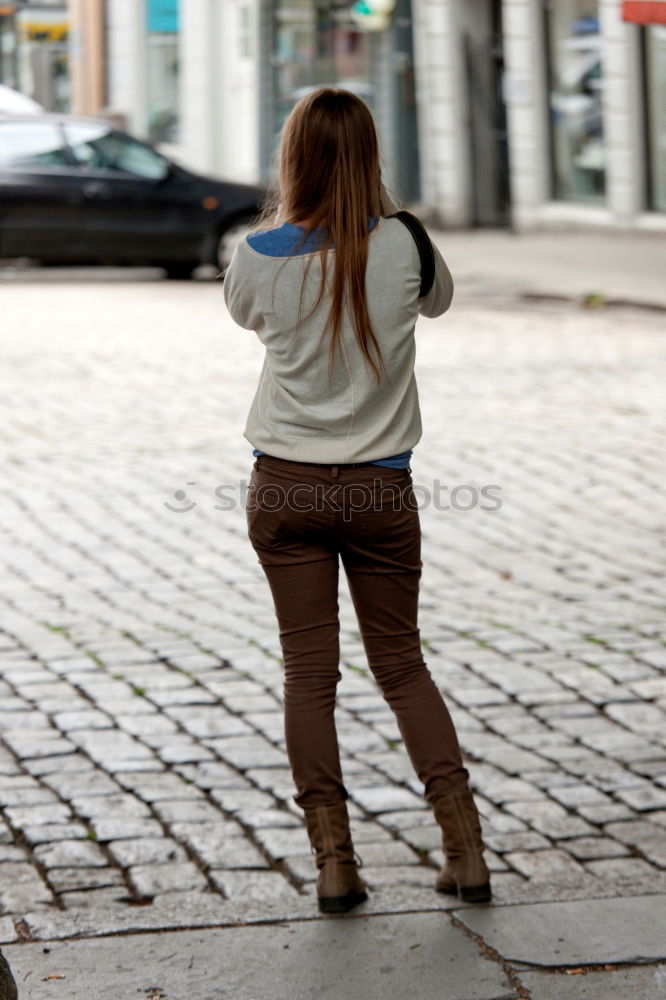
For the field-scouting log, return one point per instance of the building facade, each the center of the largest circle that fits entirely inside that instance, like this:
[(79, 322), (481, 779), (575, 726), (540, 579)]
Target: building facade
[(521, 113), (568, 103), (213, 80), (186, 75)]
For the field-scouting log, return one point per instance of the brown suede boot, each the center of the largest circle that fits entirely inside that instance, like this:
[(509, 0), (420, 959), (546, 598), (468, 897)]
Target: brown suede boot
[(7, 984), (339, 886), (464, 871)]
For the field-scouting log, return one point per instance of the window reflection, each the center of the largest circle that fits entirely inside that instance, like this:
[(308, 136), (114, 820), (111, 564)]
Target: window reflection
[(576, 83)]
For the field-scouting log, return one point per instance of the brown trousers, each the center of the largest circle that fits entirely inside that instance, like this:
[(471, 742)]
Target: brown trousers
[(302, 518)]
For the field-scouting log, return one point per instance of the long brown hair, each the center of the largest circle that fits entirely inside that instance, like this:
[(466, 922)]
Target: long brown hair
[(330, 174)]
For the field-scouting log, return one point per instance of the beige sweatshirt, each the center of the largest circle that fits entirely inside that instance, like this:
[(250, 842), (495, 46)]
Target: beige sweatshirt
[(296, 412)]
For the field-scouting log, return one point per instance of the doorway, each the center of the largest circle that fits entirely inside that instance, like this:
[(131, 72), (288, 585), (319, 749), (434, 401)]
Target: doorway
[(488, 140), (405, 127)]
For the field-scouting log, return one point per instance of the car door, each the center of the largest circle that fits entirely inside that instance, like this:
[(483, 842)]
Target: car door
[(139, 207), (42, 206)]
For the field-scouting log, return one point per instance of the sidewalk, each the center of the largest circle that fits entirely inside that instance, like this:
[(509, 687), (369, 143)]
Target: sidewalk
[(149, 843), (626, 268), (485, 263), (552, 951)]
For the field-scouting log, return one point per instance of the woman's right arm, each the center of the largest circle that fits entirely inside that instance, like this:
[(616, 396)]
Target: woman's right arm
[(439, 298)]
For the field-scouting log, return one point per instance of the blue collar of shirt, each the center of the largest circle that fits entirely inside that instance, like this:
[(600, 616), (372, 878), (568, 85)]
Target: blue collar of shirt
[(287, 240)]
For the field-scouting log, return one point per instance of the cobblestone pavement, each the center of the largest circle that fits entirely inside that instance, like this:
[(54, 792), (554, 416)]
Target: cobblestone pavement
[(142, 757)]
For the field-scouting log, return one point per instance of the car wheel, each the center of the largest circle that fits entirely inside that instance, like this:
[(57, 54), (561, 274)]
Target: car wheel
[(180, 271), (227, 240)]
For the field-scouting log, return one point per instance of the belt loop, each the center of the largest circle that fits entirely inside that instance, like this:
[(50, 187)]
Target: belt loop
[(334, 471)]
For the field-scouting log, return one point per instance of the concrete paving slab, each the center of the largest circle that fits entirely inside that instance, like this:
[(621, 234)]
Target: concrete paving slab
[(190, 911), (582, 932), (646, 983), (377, 958)]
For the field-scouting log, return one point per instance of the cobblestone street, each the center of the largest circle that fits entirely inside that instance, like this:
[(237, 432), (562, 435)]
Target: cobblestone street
[(143, 777)]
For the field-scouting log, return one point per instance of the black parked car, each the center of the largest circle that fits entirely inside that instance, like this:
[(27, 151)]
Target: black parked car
[(79, 190)]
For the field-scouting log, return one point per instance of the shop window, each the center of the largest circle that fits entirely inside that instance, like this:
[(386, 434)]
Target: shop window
[(34, 55), (576, 86), (162, 26), (318, 45)]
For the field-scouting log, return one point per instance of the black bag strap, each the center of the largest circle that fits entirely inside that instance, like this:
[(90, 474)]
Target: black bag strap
[(424, 247)]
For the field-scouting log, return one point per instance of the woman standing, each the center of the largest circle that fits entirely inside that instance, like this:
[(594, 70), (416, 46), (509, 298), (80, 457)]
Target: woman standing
[(331, 286)]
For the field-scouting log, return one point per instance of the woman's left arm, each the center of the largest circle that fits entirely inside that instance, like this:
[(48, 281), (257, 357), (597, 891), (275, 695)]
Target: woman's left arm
[(240, 292)]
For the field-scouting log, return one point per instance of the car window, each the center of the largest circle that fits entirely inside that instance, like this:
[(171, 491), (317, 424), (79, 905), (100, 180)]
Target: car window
[(31, 144), (100, 146)]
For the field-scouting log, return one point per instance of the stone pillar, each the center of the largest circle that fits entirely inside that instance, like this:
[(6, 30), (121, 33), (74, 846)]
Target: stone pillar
[(220, 97), (238, 91), (197, 84), (126, 41), (442, 110), (527, 109), (87, 63), (623, 113)]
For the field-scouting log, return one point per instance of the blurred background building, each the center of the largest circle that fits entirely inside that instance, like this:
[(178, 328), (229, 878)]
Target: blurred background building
[(34, 50), (522, 113)]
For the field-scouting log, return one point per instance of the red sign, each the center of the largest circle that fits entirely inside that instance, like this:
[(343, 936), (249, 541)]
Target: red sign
[(644, 11)]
